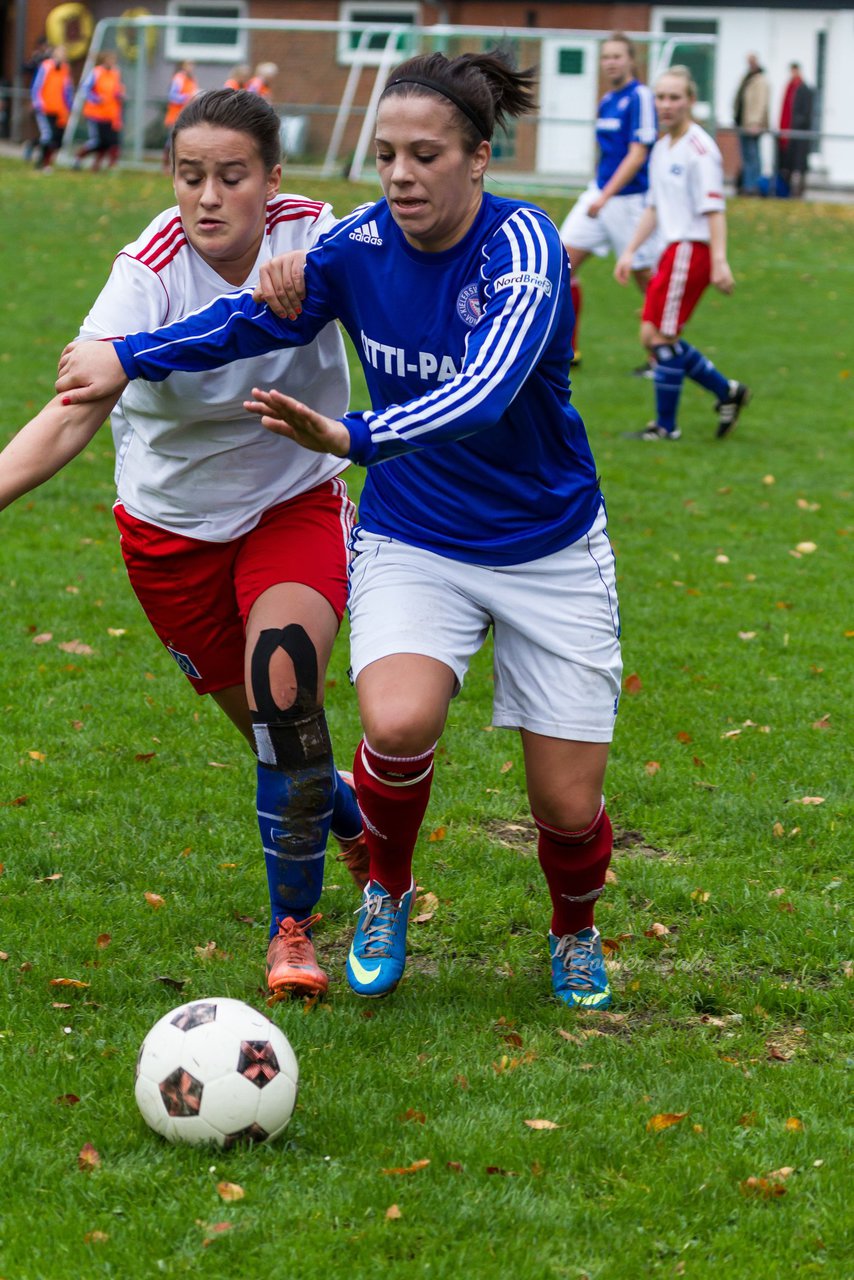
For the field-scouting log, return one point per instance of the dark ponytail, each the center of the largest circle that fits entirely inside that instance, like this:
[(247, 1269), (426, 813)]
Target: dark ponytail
[(484, 88)]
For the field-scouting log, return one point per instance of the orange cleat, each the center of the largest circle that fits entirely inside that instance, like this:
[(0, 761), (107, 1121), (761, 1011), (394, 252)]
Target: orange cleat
[(292, 968), (354, 852)]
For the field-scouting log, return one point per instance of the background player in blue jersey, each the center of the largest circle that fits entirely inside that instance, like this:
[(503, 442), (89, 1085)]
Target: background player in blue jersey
[(481, 508), (603, 219), (235, 542)]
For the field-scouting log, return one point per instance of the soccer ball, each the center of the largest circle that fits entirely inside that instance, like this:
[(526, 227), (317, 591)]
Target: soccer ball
[(215, 1070)]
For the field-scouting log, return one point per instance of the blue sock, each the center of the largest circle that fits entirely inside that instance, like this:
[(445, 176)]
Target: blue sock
[(669, 376), (701, 369), (294, 810), (346, 816)]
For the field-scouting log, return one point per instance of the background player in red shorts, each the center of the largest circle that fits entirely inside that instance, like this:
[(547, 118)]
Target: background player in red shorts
[(687, 205), (234, 539)]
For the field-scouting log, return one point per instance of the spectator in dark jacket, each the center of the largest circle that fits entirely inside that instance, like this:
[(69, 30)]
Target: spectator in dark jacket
[(796, 114)]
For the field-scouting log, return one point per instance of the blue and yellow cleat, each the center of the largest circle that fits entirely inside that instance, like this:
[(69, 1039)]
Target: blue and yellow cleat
[(378, 952), (578, 970)]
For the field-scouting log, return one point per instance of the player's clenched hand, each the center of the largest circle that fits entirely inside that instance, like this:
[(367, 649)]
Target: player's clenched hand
[(722, 277), (623, 269), (282, 284), (89, 371), (288, 417)]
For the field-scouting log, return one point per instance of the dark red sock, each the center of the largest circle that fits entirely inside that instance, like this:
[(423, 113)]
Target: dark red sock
[(393, 792), (575, 292), (574, 864)]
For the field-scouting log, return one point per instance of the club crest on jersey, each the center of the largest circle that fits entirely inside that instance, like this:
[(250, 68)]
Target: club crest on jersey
[(185, 662), (367, 234), (676, 170), (468, 305)]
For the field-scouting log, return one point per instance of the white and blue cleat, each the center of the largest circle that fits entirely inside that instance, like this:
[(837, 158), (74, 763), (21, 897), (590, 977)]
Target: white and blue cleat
[(578, 969), (377, 955)]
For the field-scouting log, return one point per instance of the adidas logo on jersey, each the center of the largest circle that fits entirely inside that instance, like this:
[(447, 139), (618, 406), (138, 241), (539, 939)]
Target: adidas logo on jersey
[(368, 234)]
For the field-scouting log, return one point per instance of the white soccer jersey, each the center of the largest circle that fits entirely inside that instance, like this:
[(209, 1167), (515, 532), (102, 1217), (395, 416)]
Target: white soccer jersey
[(189, 458), (686, 182)]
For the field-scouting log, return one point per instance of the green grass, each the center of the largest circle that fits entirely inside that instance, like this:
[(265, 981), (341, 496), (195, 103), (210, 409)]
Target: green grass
[(738, 1016)]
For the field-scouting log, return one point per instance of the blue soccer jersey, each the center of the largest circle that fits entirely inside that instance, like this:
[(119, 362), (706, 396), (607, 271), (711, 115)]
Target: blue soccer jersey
[(473, 448), (625, 116)]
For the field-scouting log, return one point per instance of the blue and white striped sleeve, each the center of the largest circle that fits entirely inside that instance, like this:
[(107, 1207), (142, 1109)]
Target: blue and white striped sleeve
[(522, 275), (644, 120), (231, 328)]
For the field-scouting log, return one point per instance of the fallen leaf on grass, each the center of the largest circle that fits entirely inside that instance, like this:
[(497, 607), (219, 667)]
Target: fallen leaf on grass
[(632, 684), (392, 1212), (762, 1188), (68, 982), (656, 930), (229, 1191), (103, 940), (4, 955), (154, 900), (210, 951), (438, 834), (454, 1166), (806, 548), (823, 722), (37, 755), (216, 1228), (510, 1064), (611, 877), (44, 637), (76, 646), (12, 804), (142, 757), (506, 767), (652, 767), (67, 1100), (116, 631), (811, 800), (700, 895), (505, 1173), (177, 984), (88, 1158), (794, 1125), (542, 1124), (95, 1237), (664, 1120), (415, 1167), (410, 1114)]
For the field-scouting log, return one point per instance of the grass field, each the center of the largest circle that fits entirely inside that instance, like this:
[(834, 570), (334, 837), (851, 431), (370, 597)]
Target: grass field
[(701, 1127)]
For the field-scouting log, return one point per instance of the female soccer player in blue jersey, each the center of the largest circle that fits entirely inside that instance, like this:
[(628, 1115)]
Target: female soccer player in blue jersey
[(481, 506)]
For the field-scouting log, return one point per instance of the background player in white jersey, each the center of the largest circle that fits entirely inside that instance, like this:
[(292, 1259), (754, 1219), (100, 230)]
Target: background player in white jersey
[(687, 204), (234, 540), (485, 511), (603, 218)]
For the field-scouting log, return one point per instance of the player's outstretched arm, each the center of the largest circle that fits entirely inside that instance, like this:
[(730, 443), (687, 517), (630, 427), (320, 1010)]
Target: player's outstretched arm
[(288, 417), (721, 275), (48, 441), (90, 371)]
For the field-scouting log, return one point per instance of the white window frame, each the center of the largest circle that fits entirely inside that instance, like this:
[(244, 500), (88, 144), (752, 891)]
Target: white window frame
[(382, 11), (178, 50)]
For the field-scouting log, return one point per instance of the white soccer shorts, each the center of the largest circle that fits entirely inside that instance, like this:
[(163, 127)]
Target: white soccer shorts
[(611, 230), (555, 622)]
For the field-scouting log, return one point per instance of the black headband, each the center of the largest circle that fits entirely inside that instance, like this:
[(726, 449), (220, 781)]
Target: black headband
[(450, 95)]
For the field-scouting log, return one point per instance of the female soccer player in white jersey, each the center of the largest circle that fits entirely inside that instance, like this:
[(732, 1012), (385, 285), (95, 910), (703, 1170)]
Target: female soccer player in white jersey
[(686, 202), (481, 506), (234, 540)]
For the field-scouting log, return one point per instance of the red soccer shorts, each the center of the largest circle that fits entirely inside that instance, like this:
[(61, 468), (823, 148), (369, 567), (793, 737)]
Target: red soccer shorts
[(197, 595), (673, 292)]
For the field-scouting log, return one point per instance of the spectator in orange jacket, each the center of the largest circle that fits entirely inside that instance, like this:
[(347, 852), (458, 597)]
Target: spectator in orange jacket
[(52, 94), (239, 78), (182, 88), (102, 110), (260, 82)]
